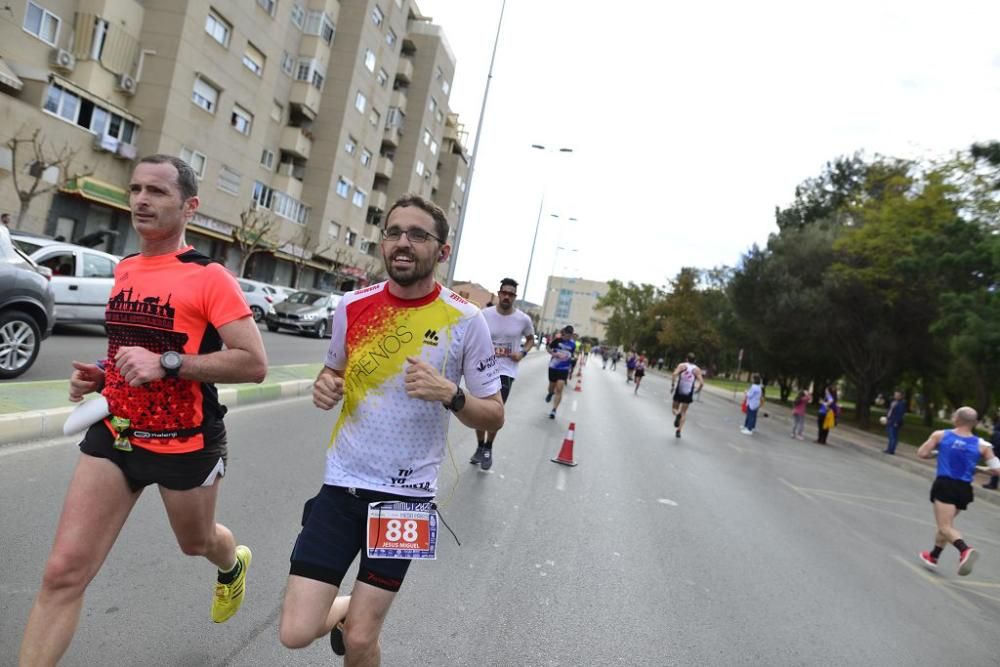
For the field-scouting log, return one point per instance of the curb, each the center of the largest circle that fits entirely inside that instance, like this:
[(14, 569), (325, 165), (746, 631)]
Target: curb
[(48, 423)]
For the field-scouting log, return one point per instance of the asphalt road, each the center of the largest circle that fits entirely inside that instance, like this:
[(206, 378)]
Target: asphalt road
[(715, 549), (87, 343)]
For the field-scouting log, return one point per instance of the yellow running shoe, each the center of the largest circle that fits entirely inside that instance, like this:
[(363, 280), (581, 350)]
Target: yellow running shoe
[(229, 597)]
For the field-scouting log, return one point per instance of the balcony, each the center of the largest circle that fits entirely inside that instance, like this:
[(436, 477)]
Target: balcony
[(295, 142), (313, 46), (392, 136), (383, 167), (378, 200), (404, 71), (289, 180), (398, 99), (306, 97), (372, 234)]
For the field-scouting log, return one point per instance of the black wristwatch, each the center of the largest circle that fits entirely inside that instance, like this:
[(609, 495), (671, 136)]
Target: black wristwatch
[(171, 363), (457, 401)]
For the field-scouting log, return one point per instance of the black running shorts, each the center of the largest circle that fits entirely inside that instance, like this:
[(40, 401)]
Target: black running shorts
[(334, 530), (178, 472), (640, 373), (952, 492), (683, 398), (506, 382), (555, 375)]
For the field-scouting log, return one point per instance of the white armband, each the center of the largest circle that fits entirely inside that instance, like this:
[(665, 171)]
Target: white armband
[(993, 463)]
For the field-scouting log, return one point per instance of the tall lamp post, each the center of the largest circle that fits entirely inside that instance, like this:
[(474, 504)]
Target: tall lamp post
[(538, 222)]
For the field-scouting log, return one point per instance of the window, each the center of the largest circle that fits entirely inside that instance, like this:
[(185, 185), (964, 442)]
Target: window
[(89, 115), (310, 70), (241, 119), (253, 59), (375, 118), (61, 263), (343, 187), (359, 198), (218, 28), (366, 157), (395, 117), (434, 147), (438, 73), (42, 23), (298, 15), (390, 37), (268, 6), (360, 101), (419, 167), (377, 16), (262, 195), (96, 266), (369, 60), (333, 230), (382, 77), (195, 159), (350, 145), (287, 63), (427, 137), (229, 180), (100, 34), (289, 208), (267, 159), (350, 236), (320, 23), (439, 116), (277, 111), (432, 105), (205, 95), (446, 87)]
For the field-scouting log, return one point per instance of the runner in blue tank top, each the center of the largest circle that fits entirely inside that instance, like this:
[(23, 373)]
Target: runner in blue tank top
[(958, 453)]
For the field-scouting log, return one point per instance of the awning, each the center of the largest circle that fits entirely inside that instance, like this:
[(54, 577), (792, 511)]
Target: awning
[(94, 190), (295, 260), (8, 78)]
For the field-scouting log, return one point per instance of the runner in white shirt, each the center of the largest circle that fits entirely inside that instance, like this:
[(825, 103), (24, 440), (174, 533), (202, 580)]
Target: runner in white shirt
[(687, 379), (508, 327)]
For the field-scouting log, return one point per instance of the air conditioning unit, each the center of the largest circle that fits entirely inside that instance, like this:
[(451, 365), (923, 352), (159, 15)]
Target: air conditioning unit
[(103, 142), (63, 59), (127, 84), (126, 151)]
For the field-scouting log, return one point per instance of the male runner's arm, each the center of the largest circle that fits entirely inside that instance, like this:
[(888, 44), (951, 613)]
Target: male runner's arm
[(529, 342), (924, 451), (242, 360), (425, 382), (699, 381)]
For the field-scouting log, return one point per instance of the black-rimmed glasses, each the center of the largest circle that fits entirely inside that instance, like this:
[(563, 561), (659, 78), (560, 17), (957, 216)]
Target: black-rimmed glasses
[(414, 234)]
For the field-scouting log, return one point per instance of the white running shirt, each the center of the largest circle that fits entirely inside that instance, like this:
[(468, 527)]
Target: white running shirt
[(507, 332), (685, 383)]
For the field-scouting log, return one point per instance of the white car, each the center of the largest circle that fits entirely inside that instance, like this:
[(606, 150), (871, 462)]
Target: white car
[(82, 277), (259, 296)]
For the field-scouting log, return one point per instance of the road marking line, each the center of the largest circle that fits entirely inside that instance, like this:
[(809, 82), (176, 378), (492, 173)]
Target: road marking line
[(940, 583), (857, 496), (984, 584), (797, 490), (561, 479), (666, 501), (574, 405)]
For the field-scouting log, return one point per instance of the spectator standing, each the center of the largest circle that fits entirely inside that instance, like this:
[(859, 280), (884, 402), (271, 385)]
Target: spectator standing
[(826, 416), (799, 414), (755, 399), (894, 421), (995, 442)]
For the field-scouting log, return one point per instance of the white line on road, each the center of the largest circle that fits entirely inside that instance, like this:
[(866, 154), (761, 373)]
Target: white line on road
[(666, 501), (561, 479), (574, 405)]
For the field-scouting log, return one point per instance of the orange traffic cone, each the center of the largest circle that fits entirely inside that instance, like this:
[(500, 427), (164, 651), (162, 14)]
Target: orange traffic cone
[(578, 387), (566, 453)]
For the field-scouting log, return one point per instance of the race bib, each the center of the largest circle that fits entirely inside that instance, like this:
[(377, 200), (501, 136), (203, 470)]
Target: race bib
[(399, 529), (502, 349)]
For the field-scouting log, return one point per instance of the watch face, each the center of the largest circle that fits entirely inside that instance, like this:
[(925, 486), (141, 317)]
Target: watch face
[(171, 360)]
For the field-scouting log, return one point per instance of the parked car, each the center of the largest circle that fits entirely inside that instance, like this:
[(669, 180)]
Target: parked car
[(82, 277), (306, 311), (281, 293), (27, 308), (259, 296)]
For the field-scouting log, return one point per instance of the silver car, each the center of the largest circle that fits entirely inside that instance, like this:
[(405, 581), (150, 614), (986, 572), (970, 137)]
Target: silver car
[(27, 309), (306, 311)]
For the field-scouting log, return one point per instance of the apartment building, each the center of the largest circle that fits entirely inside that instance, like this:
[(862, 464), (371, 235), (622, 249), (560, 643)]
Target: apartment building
[(292, 113), (574, 301)]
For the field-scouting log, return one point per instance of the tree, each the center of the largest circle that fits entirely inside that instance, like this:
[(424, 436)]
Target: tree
[(254, 235), (299, 247), (632, 322), (38, 159), (688, 315)]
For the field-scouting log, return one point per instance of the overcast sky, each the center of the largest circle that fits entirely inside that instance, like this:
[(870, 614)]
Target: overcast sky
[(691, 121)]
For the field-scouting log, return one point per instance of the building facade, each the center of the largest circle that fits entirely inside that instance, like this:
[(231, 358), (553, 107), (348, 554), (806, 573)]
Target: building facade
[(301, 118), (573, 301)]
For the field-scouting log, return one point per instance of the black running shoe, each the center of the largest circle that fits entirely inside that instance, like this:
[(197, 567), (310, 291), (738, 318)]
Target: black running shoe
[(677, 420), (477, 458), (552, 415), (677, 433), (548, 397), (487, 460), (337, 639)]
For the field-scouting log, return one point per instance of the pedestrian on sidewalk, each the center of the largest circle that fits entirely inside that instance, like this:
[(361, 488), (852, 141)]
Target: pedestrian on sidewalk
[(958, 453), (397, 353), (894, 421), (177, 323), (826, 415), (755, 398), (995, 443), (799, 414)]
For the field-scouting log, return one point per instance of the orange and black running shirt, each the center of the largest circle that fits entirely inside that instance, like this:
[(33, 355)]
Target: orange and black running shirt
[(168, 302)]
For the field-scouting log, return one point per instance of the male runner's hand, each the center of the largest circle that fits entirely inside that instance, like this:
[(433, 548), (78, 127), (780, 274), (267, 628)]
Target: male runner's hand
[(86, 378), (139, 365), (328, 389), (423, 381)]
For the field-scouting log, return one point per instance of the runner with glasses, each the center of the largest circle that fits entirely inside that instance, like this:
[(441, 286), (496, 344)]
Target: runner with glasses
[(509, 326), (397, 353)]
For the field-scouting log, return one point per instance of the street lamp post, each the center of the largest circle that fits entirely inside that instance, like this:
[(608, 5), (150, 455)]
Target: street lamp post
[(538, 222)]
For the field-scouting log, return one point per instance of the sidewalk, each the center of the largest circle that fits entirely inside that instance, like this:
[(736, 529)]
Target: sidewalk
[(32, 410), (853, 438)]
